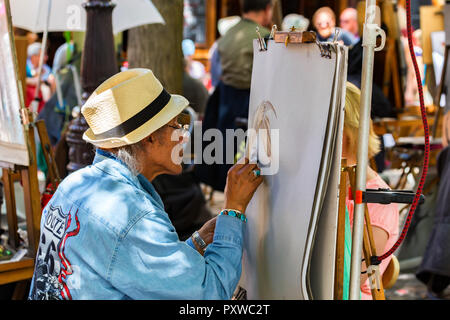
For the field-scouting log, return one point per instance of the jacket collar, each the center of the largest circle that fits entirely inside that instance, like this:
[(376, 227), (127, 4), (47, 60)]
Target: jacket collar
[(109, 164)]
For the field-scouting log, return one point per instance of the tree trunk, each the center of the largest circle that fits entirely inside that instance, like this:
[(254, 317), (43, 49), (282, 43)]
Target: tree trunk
[(158, 46)]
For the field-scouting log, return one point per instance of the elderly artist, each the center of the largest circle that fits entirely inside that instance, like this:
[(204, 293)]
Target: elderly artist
[(105, 235)]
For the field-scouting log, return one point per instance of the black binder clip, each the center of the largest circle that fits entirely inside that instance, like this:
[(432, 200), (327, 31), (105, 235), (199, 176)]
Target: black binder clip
[(261, 41)]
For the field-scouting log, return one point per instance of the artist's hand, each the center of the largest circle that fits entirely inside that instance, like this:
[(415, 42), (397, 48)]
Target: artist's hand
[(241, 185), (207, 230)]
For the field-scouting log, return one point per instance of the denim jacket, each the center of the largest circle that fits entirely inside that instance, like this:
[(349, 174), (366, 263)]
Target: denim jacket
[(105, 235)]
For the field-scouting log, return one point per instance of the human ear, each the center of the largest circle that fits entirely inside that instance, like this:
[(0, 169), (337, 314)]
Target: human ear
[(150, 139), (155, 137)]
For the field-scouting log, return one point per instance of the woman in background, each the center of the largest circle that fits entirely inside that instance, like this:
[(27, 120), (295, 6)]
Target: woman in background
[(383, 218)]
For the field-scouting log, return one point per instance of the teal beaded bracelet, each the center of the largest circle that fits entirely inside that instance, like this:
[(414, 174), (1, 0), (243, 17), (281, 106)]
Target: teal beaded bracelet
[(234, 213)]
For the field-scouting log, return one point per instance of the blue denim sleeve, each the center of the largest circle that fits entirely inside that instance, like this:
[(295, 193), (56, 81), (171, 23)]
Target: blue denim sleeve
[(189, 242), (151, 263)]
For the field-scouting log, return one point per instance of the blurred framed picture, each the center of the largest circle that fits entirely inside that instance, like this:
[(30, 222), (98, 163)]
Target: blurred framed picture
[(13, 147)]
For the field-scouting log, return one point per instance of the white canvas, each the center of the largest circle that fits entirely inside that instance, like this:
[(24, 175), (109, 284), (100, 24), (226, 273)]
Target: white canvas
[(282, 216), (13, 149)]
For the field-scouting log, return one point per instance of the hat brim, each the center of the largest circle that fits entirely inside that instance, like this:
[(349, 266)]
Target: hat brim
[(173, 108)]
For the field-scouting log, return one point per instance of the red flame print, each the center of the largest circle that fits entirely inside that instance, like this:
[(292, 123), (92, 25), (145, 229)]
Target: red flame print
[(66, 269)]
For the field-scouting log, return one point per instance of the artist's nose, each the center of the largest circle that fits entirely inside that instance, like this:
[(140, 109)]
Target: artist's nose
[(184, 138)]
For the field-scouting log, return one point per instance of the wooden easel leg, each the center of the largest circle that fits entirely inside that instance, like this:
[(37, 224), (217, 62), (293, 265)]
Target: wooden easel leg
[(32, 197), (396, 78), (340, 241), (32, 208), (366, 249), (387, 69), (20, 291), (369, 251), (402, 178), (48, 153), (11, 212), (369, 248)]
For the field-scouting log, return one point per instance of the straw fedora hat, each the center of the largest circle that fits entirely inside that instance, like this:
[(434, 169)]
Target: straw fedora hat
[(128, 107)]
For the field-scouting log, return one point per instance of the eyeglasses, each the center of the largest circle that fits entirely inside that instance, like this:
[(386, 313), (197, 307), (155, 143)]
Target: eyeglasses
[(184, 129), (182, 125), (179, 126)]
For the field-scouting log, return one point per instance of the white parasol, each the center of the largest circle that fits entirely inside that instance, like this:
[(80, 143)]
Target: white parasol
[(69, 15)]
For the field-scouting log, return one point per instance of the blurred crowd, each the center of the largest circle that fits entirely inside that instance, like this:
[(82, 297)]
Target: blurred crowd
[(202, 77)]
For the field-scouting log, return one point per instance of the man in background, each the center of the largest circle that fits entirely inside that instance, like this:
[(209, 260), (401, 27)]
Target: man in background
[(236, 47), (223, 26), (348, 20), (230, 99), (47, 81)]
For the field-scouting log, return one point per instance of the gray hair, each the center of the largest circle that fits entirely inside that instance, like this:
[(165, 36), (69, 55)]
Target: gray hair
[(128, 155), (34, 49)]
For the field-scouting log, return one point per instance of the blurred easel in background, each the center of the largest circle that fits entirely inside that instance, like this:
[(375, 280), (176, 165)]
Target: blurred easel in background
[(18, 160)]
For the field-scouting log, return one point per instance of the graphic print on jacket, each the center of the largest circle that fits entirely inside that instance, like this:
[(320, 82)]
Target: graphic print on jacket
[(52, 266)]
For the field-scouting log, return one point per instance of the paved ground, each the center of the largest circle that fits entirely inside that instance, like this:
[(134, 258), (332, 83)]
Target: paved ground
[(408, 287)]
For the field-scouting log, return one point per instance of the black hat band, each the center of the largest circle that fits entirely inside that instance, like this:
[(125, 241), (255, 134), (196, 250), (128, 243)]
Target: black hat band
[(138, 119)]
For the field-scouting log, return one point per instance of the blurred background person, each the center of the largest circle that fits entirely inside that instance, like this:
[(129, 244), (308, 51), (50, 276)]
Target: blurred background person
[(57, 112), (383, 218), (47, 83), (411, 93), (348, 20), (230, 100), (434, 270), (195, 68), (223, 26), (194, 91), (236, 47), (324, 21), (411, 90)]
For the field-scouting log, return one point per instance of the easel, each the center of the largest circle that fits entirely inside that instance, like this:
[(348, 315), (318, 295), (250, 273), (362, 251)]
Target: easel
[(340, 236), (394, 58), (348, 174), (23, 269), (18, 271), (391, 72), (369, 249), (387, 280)]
